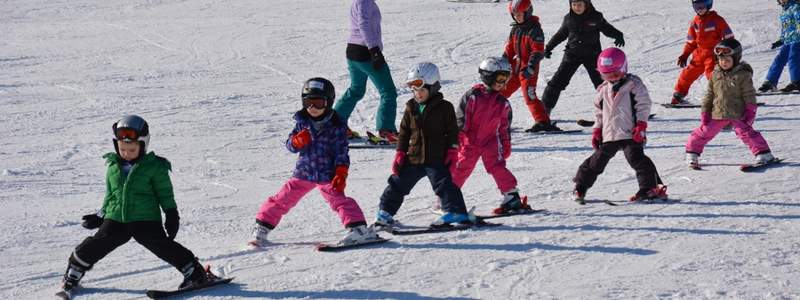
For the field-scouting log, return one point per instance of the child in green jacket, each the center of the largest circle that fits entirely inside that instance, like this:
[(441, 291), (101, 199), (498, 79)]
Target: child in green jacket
[(137, 189)]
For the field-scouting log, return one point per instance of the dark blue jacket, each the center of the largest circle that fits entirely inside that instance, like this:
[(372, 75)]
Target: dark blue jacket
[(328, 148)]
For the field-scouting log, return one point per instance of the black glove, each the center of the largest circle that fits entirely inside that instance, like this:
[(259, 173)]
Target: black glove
[(92, 221), (777, 44), (548, 53), (528, 72), (171, 223), (376, 56), (620, 42)]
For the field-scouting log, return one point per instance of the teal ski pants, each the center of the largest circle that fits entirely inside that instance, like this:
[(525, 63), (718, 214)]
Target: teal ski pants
[(360, 71)]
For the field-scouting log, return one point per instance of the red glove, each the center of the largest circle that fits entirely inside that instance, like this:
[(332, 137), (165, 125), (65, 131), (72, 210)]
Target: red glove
[(399, 162), (705, 118), (339, 181), (683, 60), (301, 139), (639, 132), (749, 115), (597, 138), (506, 150), (451, 157)]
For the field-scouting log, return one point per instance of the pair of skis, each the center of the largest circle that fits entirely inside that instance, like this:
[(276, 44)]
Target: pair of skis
[(370, 142), (692, 105), (480, 222), (159, 294), (747, 168)]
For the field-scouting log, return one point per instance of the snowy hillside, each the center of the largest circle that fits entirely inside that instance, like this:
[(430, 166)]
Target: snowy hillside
[(219, 80)]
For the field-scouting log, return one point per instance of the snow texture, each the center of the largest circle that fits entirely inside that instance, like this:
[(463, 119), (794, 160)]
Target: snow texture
[(219, 80)]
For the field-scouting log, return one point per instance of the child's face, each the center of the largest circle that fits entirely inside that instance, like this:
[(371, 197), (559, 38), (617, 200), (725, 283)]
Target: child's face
[(701, 11), (421, 94), (315, 112), (725, 62), (315, 106), (128, 150), (578, 7), (519, 16)]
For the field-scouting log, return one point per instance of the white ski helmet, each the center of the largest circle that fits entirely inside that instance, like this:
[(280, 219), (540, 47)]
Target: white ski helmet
[(491, 66), (424, 74)]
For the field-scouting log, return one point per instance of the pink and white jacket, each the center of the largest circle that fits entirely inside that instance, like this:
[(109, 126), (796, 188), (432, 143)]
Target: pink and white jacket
[(619, 105), (483, 117)]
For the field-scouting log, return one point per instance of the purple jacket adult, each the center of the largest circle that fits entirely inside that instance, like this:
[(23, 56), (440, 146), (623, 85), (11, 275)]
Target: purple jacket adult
[(365, 24), (328, 148)]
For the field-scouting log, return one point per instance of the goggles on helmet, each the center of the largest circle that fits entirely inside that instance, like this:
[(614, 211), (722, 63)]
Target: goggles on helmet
[(501, 78), (317, 103), (126, 134), (416, 84), (723, 51), (698, 6), (612, 76)]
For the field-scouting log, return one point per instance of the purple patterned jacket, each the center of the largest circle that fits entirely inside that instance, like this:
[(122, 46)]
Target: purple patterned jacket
[(328, 148)]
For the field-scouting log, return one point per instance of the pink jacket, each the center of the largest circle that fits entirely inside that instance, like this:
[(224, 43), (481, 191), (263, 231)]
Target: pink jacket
[(617, 112), (484, 117)]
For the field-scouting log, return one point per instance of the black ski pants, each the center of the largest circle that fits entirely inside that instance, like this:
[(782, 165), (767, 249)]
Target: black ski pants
[(646, 172), (149, 234), (442, 182), (560, 80)]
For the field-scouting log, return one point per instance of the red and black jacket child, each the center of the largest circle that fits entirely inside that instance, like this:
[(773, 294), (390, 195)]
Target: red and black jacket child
[(581, 28), (524, 50)]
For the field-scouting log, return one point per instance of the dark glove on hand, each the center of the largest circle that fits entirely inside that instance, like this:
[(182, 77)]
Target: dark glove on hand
[(683, 60), (171, 223), (376, 56), (777, 44), (533, 64), (91, 221), (548, 53), (620, 42)]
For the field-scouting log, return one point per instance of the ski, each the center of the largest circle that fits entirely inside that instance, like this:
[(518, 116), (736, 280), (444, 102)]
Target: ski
[(372, 141), (761, 166), (555, 132), (696, 167), (587, 123), (778, 93), (670, 105), (158, 294), (519, 212), (442, 228), (323, 247)]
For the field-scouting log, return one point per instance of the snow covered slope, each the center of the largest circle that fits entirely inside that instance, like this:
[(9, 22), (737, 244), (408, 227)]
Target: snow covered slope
[(219, 80)]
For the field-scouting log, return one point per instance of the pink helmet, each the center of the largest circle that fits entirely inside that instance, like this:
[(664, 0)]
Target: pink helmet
[(612, 60)]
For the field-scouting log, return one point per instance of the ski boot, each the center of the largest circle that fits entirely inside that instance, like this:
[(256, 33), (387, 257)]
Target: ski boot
[(383, 221), (451, 217), (512, 202), (72, 277), (260, 233), (543, 126), (358, 234), (352, 135), (792, 87), (767, 87), (579, 197), (693, 160), (657, 193), (194, 274), (679, 99), (764, 158), (389, 136)]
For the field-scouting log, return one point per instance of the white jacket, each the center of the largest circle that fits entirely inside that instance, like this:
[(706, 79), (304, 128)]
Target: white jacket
[(617, 112)]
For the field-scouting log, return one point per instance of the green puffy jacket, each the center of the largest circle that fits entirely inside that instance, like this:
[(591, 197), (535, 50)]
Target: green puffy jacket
[(139, 196)]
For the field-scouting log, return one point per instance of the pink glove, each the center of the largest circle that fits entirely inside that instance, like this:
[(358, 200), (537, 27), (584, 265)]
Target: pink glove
[(506, 149), (749, 115), (597, 138), (705, 118), (399, 162), (451, 157), (639, 132)]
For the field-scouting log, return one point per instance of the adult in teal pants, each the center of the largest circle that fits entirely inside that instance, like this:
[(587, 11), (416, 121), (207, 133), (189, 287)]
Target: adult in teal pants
[(365, 61)]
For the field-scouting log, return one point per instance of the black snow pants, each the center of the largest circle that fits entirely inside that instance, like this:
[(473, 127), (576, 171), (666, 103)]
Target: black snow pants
[(560, 80), (442, 182), (646, 172)]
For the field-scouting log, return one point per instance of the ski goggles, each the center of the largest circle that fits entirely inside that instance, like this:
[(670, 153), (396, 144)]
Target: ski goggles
[(723, 51), (699, 6), (501, 78), (126, 134), (416, 84), (612, 76), (317, 103)]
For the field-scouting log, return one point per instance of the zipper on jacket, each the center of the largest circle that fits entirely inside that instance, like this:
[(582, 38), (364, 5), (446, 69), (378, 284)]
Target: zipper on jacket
[(125, 190)]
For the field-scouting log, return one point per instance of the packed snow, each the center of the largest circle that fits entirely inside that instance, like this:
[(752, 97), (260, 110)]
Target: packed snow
[(219, 80)]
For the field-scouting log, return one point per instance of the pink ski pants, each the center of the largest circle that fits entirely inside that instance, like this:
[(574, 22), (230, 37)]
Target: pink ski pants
[(273, 209), (705, 133), (493, 161)]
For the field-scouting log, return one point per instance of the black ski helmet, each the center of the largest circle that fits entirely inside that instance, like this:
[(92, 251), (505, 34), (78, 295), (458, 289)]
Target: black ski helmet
[(707, 3), (319, 87), (139, 128), (729, 47)]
